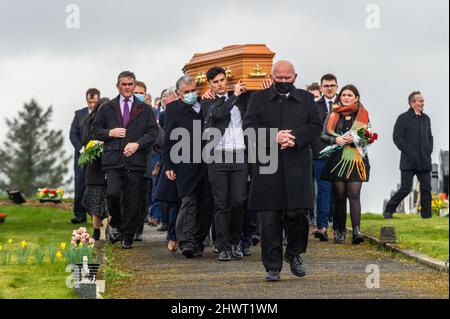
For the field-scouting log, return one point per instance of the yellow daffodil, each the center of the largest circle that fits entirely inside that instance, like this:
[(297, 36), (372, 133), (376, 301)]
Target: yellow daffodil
[(63, 246), (89, 145), (10, 241), (59, 255), (23, 244)]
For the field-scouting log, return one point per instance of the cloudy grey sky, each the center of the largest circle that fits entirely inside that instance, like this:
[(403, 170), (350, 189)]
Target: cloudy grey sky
[(41, 58)]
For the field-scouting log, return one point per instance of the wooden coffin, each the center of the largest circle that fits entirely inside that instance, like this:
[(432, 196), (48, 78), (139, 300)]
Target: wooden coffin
[(251, 63)]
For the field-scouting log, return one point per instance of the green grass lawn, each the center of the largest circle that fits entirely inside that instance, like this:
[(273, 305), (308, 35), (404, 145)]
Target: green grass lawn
[(427, 236), (37, 226)]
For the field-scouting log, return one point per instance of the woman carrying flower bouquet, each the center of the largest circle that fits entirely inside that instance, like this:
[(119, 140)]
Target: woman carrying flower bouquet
[(347, 131), (94, 199)]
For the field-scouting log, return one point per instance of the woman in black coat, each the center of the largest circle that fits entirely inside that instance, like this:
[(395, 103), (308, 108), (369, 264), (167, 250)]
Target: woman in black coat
[(94, 199)]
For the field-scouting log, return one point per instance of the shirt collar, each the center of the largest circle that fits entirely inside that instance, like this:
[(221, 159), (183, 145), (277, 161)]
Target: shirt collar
[(327, 101), (122, 99)]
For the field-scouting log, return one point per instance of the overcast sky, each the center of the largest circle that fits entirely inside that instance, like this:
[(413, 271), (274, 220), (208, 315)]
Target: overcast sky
[(41, 58)]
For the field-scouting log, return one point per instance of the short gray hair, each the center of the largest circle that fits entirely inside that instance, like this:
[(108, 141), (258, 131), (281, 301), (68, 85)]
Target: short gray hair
[(168, 92), (186, 79), (412, 97)]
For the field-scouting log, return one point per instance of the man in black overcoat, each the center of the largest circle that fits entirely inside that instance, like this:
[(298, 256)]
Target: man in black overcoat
[(287, 118), (413, 137), (183, 163)]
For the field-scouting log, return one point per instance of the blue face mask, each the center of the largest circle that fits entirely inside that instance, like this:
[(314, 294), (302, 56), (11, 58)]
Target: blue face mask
[(140, 97), (190, 98)]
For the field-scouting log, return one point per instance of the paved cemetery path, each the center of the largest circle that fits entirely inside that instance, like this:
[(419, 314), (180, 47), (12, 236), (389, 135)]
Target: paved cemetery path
[(333, 271)]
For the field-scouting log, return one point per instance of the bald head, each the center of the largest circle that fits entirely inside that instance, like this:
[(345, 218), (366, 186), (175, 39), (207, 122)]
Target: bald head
[(283, 66), (284, 76)]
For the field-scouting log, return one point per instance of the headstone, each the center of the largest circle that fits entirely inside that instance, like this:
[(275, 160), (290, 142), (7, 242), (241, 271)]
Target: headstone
[(388, 235), (87, 290)]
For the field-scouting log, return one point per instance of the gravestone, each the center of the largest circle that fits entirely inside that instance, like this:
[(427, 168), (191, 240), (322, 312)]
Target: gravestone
[(388, 235)]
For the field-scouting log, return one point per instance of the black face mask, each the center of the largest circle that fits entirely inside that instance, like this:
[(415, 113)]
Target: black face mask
[(283, 87)]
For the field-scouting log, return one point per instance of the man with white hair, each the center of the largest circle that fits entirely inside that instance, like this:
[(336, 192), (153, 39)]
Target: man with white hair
[(291, 115), (190, 174)]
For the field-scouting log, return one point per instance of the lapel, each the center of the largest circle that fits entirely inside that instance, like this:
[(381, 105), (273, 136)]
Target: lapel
[(116, 105), (136, 109), (189, 109)]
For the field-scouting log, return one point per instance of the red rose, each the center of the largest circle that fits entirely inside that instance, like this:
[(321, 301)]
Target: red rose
[(374, 138), (367, 134)]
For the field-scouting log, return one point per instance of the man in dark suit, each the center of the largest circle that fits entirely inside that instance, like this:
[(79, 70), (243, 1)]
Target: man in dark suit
[(129, 130), (228, 170), (286, 121), (76, 132), (413, 137), (182, 159), (324, 207)]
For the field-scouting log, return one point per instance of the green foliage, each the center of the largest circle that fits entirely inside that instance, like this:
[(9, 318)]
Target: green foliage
[(22, 255), (75, 254), (39, 227), (32, 155), (39, 255)]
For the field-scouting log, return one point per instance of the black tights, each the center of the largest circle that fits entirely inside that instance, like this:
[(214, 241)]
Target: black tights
[(352, 192)]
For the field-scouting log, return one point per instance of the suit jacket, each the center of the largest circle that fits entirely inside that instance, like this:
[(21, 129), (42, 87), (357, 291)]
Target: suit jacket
[(413, 137), (318, 144), (141, 129), (216, 113), (76, 132), (182, 115), (291, 186)]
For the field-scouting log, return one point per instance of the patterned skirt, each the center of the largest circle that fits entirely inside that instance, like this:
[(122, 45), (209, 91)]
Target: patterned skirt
[(94, 200)]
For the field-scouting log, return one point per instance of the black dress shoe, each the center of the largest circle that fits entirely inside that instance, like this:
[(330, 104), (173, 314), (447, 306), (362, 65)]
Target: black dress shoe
[(225, 256), (340, 238), (255, 240), (138, 237), (357, 236), (77, 221), (273, 275), (321, 234), (296, 264), (127, 244), (114, 235), (236, 252), (96, 234), (162, 228), (246, 251), (187, 252), (388, 215)]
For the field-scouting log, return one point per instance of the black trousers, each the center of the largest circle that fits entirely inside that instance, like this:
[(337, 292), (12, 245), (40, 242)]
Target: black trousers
[(124, 196), (295, 223), (80, 186), (145, 203), (229, 190), (405, 189), (195, 216)]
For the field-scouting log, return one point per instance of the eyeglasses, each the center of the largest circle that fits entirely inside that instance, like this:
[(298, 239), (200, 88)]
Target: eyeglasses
[(331, 86)]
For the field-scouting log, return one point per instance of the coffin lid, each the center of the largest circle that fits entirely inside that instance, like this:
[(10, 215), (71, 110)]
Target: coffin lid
[(231, 52)]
